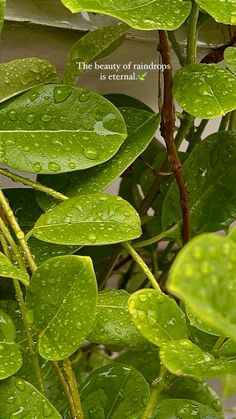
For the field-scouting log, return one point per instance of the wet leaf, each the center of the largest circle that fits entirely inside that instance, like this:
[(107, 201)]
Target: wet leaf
[(196, 322), (228, 385), (18, 398), (113, 323), (59, 128), (10, 355), (62, 297), (2, 11), (230, 56), (114, 391), (203, 276), (184, 409), (197, 81), (194, 389), (93, 46), (145, 361), (157, 317), (141, 126), (8, 270), (89, 220), (122, 101), (222, 11), (182, 357), (138, 14), (211, 174), (43, 251), (11, 308), (228, 349), (20, 75)]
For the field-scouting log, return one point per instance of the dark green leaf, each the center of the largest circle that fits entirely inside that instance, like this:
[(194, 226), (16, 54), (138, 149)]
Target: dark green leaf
[(59, 128), (62, 296), (113, 392), (20, 75), (8, 270), (157, 316), (138, 14), (11, 308), (222, 11), (89, 220), (93, 46), (211, 173), (182, 357), (184, 409), (194, 389), (10, 355), (228, 349), (20, 399), (145, 361), (113, 323), (230, 57), (121, 101), (197, 81), (43, 251), (203, 276), (2, 11), (141, 126)]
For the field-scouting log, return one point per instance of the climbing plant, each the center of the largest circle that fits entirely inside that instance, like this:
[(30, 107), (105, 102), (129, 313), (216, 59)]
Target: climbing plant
[(120, 306)]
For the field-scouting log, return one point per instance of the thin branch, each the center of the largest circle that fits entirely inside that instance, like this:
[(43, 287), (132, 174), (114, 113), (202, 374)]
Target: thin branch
[(73, 389), (167, 130), (60, 377)]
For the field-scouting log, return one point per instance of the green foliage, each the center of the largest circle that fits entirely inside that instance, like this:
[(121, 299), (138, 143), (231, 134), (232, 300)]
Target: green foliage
[(110, 308)]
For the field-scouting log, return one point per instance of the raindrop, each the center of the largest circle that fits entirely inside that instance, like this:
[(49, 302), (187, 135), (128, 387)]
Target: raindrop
[(84, 96), (30, 119), (54, 167), (92, 237), (37, 167), (90, 153), (61, 93), (20, 384)]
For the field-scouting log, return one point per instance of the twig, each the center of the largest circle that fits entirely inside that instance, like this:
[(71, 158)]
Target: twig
[(73, 389), (60, 376)]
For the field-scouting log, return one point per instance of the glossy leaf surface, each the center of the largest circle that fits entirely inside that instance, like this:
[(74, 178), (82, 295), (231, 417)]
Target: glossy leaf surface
[(194, 389), (230, 57), (141, 127), (203, 276), (182, 357), (10, 355), (205, 90), (113, 323), (184, 409), (113, 392), (2, 11), (222, 11), (89, 220), (93, 46), (20, 399), (211, 174), (59, 128), (62, 296), (20, 75), (139, 14), (145, 361), (8, 270), (157, 316)]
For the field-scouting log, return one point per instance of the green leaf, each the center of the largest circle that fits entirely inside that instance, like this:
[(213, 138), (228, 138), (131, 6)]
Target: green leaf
[(203, 276), (122, 101), (59, 128), (228, 349), (62, 296), (230, 58), (20, 75), (18, 398), (11, 308), (229, 385), (193, 389), (184, 409), (89, 220), (10, 355), (196, 322), (157, 316), (43, 251), (222, 11), (113, 323), (2, 11), (182, 357), (8, 270), (139, 14), (113, 392), (197, 81), (141, 126), (145, 361), (93, 46), (210, 173)]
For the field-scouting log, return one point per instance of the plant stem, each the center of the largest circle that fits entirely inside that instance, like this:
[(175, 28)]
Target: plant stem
[(184, 128), (73, 389), (176, 47), (157, 390), (17, 230), (218, 343), (60, 376), (13, 245), (169, 234), (232, 121), (195, 137), (167, 130), (102, 281), (36, 185), (192, 34), (224, 122), (127, 246)]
